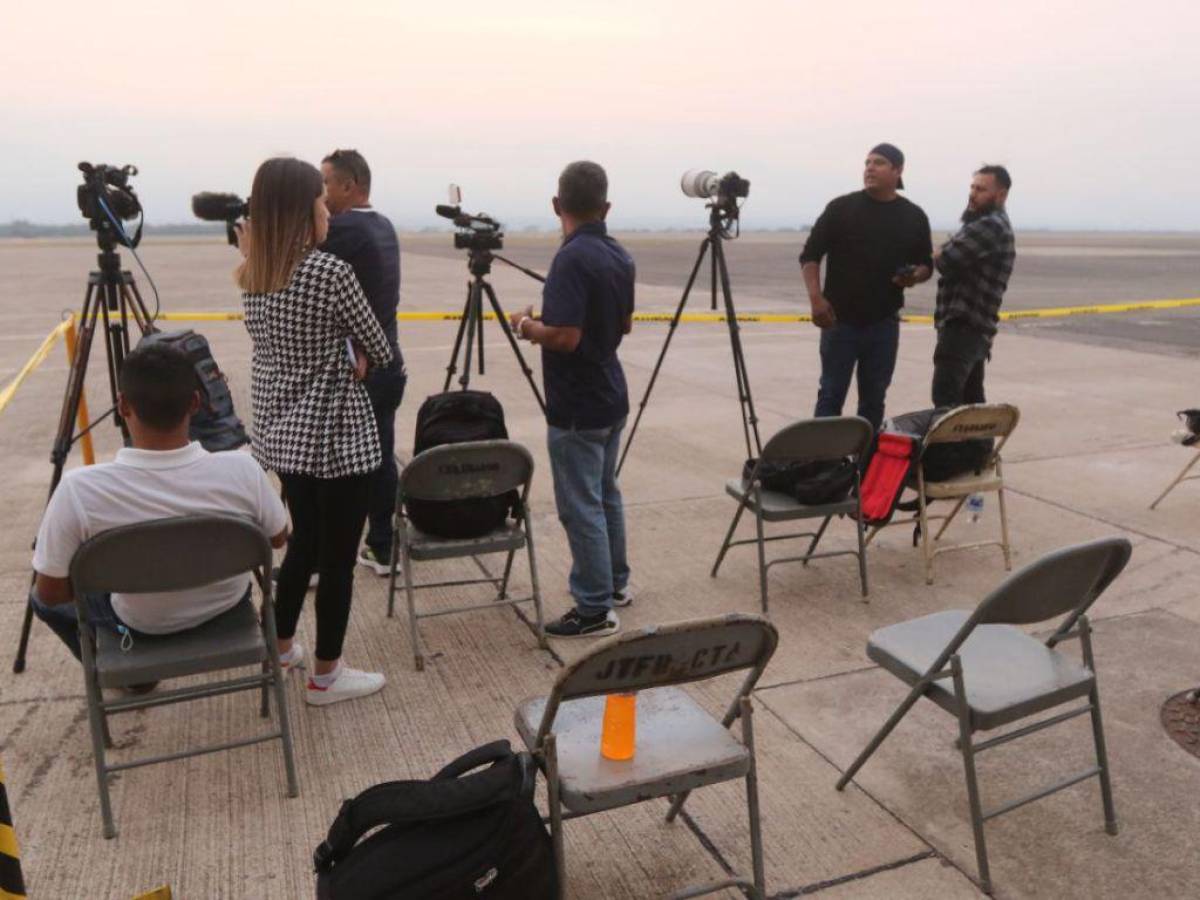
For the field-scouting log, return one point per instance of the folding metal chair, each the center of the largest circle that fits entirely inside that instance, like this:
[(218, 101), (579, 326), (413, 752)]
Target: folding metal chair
[(456, 472), (680, 746), (999, 674), (1179, 479), (170, 555), (810, 440), (964, 423)]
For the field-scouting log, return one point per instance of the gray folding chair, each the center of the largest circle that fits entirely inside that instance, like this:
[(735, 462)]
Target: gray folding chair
[(1179, 479), (963, 423), (679, 746), (810, 440), (999, 674), (170, 555), (456, 472)]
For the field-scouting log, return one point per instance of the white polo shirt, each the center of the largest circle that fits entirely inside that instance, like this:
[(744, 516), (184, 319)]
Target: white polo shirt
[(140, 485)]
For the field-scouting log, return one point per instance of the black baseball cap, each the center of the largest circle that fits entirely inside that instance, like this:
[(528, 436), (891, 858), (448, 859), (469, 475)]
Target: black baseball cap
[(892, 154)]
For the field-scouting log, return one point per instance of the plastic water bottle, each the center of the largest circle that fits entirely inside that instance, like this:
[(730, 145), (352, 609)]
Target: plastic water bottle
[(975, 506)]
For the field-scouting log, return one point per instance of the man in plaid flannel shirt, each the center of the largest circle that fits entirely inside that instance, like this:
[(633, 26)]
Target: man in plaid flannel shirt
[(975, 265)]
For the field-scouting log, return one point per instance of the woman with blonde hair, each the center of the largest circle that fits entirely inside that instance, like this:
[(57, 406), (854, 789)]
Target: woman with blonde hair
[(313, 334)]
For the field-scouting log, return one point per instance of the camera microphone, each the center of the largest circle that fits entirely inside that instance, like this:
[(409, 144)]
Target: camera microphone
[(447, 212), (216, 207)]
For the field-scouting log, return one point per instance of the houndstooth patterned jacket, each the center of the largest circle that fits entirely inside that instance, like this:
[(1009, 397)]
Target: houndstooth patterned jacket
[(310, 416)]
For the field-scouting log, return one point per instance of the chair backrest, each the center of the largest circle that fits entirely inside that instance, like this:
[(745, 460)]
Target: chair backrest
[(469, 469), (662, 655), (169, 554), (819, 439), (1064, 581), (978, 420)]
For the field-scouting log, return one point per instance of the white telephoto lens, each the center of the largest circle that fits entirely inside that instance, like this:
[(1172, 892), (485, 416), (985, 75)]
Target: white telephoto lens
[(699, 183)]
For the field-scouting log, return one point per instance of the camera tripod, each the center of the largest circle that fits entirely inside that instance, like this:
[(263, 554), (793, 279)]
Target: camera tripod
[(471, 325), (112, 297), (713, 246)]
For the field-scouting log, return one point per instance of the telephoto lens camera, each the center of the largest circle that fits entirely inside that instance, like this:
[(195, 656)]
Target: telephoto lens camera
[(105, 198), (227, 208), (477, 233), (703, 184)]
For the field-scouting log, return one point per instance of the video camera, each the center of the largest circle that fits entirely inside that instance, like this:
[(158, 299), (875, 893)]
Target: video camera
[(105, 198), (227, 208), (476, 233)]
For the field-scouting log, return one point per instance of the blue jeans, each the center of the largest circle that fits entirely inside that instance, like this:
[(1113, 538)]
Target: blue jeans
[(385, 388), (872, 348), (583, 463), (62, 619)]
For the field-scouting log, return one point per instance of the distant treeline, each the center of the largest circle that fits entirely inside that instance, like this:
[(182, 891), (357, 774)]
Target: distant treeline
[(22, 228)]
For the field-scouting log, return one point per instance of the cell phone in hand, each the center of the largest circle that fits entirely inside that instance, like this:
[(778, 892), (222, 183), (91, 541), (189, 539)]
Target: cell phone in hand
[(350, 353)]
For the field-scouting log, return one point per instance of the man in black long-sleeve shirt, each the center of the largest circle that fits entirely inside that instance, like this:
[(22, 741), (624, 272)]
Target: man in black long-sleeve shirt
[(367, 240), (877, 244)]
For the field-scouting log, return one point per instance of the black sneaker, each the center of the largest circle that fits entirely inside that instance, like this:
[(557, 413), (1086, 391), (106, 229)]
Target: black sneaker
[(575, 625), (622, 598)]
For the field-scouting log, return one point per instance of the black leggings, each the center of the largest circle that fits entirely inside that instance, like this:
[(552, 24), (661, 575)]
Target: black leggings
[(327, 521)]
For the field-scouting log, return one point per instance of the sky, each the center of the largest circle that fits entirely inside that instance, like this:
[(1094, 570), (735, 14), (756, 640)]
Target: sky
[(1094, 106)]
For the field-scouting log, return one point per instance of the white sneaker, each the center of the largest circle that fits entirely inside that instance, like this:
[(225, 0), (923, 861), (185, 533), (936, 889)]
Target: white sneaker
[(350, 684), (622, 598), (294, 660), (381, 567)]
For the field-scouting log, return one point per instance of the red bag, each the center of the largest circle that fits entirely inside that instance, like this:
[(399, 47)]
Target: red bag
[(889, 467)]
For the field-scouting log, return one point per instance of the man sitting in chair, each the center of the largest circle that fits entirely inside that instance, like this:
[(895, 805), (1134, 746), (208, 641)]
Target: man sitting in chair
[(162, 475)]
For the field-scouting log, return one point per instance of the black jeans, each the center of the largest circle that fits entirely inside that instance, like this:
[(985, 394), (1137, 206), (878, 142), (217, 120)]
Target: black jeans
[(958, 361), (327, 520), (385, 387), (872, 349)]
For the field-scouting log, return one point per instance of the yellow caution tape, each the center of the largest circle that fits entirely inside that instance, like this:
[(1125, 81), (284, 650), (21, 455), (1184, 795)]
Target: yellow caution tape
[(34, 361), (12, 882), (1052, 312)]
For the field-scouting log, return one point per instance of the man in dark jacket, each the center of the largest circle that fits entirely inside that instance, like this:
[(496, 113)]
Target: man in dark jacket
[(975, 265), (876, 243), (587, 307), (367, 240)]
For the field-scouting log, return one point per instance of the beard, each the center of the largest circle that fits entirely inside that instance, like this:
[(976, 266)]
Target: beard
[(970, 215)]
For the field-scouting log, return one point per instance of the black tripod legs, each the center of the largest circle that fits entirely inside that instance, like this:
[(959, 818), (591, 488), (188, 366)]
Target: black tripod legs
[(720, 279), (662, 354), (470, 336), (512, 342)]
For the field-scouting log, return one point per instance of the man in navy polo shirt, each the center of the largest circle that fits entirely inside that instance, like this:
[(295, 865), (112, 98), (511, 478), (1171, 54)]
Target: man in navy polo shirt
[(367, 240), (587, 307)]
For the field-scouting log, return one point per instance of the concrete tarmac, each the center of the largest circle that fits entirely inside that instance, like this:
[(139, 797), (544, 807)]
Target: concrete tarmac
[(1090, 454)]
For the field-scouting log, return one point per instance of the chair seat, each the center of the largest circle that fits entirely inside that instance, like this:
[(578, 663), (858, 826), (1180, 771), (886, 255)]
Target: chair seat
[(228, 641), (1008, 675), (777, 507), (679, 747), (509, 536), (962, 485)]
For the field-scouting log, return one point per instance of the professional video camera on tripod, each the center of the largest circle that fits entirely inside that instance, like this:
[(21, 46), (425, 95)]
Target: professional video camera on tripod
[(723, 194), (481, 236), (106, 199)]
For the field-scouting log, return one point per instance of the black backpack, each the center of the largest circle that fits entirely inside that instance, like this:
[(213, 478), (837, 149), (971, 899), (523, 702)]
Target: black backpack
[(454, 418), (811, 482), (941, 462), (458, 835)]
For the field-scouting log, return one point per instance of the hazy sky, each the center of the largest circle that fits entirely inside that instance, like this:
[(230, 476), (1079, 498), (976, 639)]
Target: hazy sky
[(1093, 104)]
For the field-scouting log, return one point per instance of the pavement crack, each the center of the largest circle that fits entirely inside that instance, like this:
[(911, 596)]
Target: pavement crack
[(854, 876)]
